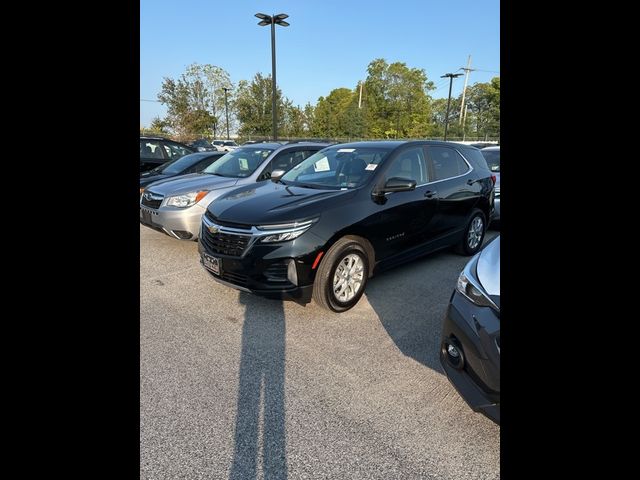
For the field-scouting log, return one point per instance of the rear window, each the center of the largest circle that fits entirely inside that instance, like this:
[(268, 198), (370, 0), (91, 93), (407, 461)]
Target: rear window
[(493, 159)]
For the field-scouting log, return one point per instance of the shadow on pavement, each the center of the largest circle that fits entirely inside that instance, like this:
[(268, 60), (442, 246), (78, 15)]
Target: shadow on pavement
[(411, 301), (261, 390)]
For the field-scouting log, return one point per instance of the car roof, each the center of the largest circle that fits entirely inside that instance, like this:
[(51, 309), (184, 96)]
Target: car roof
[(492, 149), (394, 143)]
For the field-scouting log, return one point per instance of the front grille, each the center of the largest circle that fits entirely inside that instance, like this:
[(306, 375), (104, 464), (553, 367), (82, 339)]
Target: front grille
[(151, 200), (224, 243), (240, 226)]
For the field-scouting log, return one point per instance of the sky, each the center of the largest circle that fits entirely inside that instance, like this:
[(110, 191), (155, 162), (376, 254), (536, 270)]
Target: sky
[(328, 45)]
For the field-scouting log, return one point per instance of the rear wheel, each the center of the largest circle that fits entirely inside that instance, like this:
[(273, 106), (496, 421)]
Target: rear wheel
[(473, 235), (342, 276)]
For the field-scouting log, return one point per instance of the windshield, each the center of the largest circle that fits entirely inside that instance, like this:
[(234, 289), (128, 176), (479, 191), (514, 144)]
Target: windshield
[(239, 163), (493, 159), (231, 144), (177, 166), (337, 167)]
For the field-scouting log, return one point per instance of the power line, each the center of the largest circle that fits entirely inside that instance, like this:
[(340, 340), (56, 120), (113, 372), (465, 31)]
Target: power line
[(145, 100)]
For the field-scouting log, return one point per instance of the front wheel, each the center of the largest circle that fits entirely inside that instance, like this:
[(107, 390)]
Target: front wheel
[(473, 235), (342, 276)]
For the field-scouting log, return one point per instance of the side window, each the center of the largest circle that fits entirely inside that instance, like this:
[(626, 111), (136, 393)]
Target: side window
[(174, 151), (150, 149), (285, 161), (409, 164), (447, 163)]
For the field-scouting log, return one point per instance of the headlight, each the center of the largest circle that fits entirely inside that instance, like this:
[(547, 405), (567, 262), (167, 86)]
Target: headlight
[(186, 200), (467, 288), (285, 232)]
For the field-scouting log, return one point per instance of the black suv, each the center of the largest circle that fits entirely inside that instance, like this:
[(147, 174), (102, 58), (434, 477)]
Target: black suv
[(323, 228), (155, 151)]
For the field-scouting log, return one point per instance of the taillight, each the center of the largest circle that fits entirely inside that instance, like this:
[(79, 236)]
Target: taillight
[(493, 179)]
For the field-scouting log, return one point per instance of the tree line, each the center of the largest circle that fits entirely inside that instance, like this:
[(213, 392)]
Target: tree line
[(392, 102)]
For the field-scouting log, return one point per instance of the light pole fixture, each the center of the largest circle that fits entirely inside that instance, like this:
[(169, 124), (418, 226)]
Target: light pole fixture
[(226, 108), (451, 76), (273, 20)]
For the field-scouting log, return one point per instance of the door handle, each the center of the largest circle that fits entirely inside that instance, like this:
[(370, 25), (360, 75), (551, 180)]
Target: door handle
[(430, 193), (471, 182)]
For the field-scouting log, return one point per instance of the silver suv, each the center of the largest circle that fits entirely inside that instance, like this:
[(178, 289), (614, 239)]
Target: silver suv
[(175, 206)]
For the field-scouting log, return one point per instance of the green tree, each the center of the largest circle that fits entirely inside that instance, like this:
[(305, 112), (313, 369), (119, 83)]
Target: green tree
[(195, 101), (331, 115), (397, 101), (159, 126), (483, 117), (253, 106)]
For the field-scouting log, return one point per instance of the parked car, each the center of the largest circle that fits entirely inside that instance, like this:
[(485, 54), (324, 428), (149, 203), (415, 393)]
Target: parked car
[(492, 156), (202, 145), (323, 228), (175, 205), (229, 145), (155, 151), (192, 163), (482, 144), (470, 348)]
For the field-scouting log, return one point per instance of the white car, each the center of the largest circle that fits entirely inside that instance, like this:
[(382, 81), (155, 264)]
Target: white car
[(225, 145)]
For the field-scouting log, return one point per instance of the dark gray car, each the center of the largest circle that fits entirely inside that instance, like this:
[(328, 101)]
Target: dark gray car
[(175, 206)]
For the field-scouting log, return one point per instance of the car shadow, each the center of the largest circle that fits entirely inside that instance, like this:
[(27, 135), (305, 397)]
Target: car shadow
[(261, 391), (411, 300)]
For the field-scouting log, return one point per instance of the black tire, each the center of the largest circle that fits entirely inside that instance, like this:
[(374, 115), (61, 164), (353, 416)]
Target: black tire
[(467, 245), (323, 292)]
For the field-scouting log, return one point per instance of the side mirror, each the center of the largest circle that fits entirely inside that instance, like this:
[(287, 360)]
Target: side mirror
[(397, 184), (277, 174)]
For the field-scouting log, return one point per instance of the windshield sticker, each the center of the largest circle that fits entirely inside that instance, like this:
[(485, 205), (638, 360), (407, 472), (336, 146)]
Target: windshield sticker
[(346, 150), (244, 164), (371, 166), (322, 165)]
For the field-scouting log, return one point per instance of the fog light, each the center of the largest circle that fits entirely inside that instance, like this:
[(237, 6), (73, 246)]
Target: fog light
[(453, 352), (292, 273)]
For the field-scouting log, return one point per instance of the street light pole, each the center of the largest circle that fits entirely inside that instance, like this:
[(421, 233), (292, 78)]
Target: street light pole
[(273, 20), (451, 76), (226, 109)]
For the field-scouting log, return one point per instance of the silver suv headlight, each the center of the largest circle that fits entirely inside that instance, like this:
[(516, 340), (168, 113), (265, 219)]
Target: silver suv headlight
[(185, 200)]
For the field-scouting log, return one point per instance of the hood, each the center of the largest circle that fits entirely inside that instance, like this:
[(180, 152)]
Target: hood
[(275, 203), (191, 183), (147, 179), (488, 268)]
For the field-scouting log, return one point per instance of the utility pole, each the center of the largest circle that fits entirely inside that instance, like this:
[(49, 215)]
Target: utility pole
[(450, 76), (464, 121), (464, 89), (360, 99), (226, 108)]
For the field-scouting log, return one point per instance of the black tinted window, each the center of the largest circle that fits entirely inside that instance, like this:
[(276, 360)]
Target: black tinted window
[(447, 163), (150, 149), (409, 164)]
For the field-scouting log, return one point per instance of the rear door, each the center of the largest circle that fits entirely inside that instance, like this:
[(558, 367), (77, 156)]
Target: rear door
[(457, 193)]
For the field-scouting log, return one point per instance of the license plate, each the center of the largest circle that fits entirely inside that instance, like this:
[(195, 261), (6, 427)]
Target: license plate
[(211, 263)]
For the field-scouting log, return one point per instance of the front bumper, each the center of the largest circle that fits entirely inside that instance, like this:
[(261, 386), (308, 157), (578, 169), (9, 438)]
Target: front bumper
[(264, 268), (475, 331), (183, 224)]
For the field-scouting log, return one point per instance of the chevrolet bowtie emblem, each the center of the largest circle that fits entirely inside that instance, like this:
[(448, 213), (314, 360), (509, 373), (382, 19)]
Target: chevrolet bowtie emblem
[(213, 229)]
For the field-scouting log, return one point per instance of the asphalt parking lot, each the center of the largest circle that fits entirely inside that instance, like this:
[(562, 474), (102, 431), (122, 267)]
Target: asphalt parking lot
[(240, 387)]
